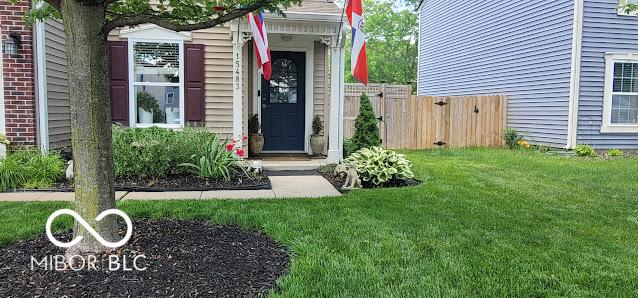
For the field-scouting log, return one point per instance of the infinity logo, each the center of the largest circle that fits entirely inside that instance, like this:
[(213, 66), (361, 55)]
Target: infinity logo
[(81, 221)]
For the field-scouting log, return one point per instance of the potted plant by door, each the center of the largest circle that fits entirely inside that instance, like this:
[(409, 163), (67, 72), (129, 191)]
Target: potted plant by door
[(255, 138), (317, 140)]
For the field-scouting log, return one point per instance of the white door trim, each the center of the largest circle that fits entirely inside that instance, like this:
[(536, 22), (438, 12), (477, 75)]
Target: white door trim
[(309, 92)]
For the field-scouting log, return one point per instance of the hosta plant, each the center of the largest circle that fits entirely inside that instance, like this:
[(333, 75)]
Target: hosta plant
[(378, 166), (585, 150)]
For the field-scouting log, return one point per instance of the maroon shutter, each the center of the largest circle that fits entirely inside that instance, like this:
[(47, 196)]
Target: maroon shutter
[(118, 70), (194, 84)]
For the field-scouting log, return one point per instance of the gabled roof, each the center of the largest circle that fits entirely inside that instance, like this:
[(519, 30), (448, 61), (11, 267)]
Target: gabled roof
[(316, 7)]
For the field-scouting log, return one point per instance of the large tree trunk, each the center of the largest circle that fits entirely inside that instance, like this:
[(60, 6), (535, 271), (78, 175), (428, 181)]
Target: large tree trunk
[(90, 120)]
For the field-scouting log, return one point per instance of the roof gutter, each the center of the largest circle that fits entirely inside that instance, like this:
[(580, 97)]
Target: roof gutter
[(574, 84)]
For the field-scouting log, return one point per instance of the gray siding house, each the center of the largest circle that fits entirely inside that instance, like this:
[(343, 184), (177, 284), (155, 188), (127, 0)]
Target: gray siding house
[(570, 68)]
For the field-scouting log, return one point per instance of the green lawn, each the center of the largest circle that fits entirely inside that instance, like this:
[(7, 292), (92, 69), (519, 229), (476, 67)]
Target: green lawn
[(487, 222)]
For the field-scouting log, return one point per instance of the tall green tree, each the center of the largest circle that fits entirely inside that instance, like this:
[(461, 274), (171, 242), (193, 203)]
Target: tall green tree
[(366, 128), (86, 26), (391, 40)]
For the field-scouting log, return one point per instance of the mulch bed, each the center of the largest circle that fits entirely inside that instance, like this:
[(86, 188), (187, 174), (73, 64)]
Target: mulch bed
[(184, 258), (338, 181), (178, 182)]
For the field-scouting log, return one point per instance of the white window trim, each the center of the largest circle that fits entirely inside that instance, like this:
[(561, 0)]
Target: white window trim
[(131, 76), (607, 126)]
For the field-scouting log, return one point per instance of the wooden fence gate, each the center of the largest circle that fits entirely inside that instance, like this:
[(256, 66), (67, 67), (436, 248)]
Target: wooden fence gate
[(422, 122)]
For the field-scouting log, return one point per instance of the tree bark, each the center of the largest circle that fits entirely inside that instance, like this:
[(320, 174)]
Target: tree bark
[(90, 120)]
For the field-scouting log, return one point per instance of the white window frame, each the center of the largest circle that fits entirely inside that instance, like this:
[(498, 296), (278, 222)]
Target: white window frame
[(607, 126), (132, 84)]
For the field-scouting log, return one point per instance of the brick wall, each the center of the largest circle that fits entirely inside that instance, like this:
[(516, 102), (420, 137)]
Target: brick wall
[(19, 76)]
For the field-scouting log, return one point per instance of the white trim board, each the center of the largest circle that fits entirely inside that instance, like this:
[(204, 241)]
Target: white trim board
[(607, 126), (574, 82), (41, 89)]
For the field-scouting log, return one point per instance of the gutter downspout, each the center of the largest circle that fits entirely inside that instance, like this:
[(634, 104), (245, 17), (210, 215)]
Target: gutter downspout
[(574, 84), (41, 89)]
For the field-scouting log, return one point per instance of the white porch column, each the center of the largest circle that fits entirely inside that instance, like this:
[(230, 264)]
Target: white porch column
[(335, 137), (238, 89)]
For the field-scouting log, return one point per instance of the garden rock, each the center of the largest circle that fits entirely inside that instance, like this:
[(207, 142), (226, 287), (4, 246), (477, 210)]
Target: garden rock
[(69, 170)]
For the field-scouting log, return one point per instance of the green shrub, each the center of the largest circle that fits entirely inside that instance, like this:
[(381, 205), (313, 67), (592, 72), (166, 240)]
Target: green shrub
[(378, 166), (366, 130), (512, 137), (615, 152), (317, 125), (327, 169), (348, 147), (585, 150), (216, 161), (30, 169), (253, 124), (11, 174), (42, 171), (155, 151)]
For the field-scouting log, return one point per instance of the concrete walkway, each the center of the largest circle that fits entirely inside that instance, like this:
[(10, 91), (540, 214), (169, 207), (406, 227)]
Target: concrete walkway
[(282, 187)]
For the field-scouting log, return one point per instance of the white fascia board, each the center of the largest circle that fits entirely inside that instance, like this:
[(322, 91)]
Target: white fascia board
[(306, 16)]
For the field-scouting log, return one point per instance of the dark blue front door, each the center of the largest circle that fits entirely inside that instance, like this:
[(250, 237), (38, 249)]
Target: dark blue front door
[(283, 103)]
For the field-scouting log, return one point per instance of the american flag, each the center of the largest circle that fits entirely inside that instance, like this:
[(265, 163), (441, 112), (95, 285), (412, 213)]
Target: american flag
[(260, 39)]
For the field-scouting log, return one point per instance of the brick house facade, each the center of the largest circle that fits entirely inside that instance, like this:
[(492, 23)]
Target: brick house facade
[(19, 76)]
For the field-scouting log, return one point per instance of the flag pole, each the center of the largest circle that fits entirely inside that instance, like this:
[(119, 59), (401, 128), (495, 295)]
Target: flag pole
[(343, 10), (341, 78)]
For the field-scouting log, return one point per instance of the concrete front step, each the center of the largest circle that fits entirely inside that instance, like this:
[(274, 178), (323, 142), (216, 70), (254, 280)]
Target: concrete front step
[(293, 165)]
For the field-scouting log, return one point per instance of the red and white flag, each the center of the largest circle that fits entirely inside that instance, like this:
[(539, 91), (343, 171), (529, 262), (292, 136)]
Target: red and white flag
[(359, 59), (260, 39)]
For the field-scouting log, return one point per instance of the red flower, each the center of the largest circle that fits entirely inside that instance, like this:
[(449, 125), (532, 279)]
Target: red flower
[(230, 147), (240, 152)]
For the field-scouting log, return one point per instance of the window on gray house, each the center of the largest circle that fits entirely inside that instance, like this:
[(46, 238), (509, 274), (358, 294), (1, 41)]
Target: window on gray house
[(624, 100)]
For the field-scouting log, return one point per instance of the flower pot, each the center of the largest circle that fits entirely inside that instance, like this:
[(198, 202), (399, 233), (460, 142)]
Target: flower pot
[(255, 144), (317, 143), (144, 117)]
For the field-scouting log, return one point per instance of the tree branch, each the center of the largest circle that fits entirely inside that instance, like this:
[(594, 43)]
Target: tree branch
[(168, 24)]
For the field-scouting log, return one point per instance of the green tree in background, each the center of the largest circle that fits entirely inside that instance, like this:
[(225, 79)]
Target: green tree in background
[(391, 39)]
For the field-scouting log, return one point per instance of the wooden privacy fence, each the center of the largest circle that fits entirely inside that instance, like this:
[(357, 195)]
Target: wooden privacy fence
[(422, 122)]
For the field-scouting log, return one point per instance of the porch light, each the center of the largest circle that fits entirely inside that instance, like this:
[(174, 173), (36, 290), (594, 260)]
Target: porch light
[(11, 45)]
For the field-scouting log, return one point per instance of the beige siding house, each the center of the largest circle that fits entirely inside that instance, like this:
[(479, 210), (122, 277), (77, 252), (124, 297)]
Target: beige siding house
[(210, 77)]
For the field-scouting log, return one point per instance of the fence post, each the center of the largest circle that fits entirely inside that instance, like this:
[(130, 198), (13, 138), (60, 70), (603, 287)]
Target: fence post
[(382, 124)]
